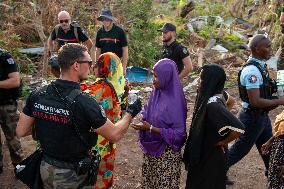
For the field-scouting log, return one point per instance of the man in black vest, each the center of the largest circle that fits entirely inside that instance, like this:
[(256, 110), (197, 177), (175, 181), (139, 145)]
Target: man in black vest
[(175, 50), (62, 128), (256, 89), (9, 114), (67, 32)]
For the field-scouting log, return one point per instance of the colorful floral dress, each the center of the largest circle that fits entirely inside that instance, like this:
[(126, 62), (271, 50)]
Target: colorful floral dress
[(107, 90)]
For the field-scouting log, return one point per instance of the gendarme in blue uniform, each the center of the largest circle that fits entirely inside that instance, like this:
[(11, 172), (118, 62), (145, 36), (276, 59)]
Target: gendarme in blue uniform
[(257, 123), (251, 77)]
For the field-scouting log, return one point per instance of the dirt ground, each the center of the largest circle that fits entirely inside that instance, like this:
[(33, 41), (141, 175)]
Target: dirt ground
[(247, 174)]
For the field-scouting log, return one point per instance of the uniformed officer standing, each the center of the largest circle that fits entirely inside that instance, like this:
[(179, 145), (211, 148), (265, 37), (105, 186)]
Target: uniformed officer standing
[(67, 32), (175, 50), (256, 90), (60, 128), (111, 38), (9, 114)]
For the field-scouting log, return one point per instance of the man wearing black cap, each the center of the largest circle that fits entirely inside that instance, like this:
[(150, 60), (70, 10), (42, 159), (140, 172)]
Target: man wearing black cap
[(175, 50), (111, 38)]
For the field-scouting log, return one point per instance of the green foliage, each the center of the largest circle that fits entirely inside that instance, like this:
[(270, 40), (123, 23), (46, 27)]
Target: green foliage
[(208, 31), (233, 38), (26, 91), (143, 44), (212, 9)]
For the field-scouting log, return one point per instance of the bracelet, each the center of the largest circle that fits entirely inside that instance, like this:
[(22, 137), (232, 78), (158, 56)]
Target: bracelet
[(151, 127)]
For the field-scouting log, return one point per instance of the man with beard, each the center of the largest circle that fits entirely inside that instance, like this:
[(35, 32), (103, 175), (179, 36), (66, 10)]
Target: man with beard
[(175, 50), (256, 90), (68, 32)]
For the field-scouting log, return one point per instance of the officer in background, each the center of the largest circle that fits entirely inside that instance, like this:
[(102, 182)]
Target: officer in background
[(9, 114), (256, 90), (67, 32), (111, 38), (175, 50), (60, 128)]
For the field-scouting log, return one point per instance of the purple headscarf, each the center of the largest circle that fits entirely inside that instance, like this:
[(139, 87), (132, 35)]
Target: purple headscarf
[(166, 109)]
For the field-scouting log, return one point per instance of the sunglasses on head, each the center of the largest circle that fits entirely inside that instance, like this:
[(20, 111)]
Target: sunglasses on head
[(62, 21), (90, 62)]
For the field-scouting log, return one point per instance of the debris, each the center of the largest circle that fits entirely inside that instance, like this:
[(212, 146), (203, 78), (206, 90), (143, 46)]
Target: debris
[(200, 53), (187, 8), (210, 44), (192, 84), (220, 49)]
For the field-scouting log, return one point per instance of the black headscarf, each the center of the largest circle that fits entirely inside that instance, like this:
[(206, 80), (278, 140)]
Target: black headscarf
[(213, 79)]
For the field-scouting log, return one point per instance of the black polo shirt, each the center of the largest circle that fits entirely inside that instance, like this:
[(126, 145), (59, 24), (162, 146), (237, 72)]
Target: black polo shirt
[(111, 41), (7, 66), (69, 36), (176, 52), (54, 124)]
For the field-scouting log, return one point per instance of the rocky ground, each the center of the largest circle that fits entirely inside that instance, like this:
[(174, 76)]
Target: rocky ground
[(247, 174)]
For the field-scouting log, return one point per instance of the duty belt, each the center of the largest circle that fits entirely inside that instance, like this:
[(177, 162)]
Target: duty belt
[(58, 163)]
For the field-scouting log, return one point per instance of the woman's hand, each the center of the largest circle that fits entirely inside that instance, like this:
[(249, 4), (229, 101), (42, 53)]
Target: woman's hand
[(266, 146), (142, 126)]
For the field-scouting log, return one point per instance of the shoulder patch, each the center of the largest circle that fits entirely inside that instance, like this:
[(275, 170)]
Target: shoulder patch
[(103, 111), (184, 50), (10, 61), (253, 79), (212, 99)]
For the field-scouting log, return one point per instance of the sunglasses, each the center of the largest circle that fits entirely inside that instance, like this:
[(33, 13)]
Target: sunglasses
[(90, 62), (62, 21)]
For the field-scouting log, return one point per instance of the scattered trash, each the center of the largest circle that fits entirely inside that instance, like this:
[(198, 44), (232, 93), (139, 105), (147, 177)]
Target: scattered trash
[(199, 22), (210, 44), (220, 49)]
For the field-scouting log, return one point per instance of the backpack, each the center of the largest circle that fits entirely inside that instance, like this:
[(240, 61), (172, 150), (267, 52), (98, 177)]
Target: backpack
[(74, 24)]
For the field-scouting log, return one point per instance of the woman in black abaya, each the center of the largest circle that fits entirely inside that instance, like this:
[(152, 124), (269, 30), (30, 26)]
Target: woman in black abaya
[(212, 128)]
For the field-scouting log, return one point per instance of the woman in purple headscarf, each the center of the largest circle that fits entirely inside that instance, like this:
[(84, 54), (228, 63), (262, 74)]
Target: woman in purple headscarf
[(163, 129)]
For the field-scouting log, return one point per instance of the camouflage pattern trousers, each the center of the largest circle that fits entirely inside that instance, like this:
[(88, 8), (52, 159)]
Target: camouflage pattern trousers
[(57, 178), (9, 116)]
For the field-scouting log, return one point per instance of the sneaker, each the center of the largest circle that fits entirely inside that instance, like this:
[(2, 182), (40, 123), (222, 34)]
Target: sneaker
[(228, 181)]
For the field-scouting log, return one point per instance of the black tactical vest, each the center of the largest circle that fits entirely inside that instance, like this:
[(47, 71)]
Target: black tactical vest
[(55, 127), (266, 89), (6, 95)]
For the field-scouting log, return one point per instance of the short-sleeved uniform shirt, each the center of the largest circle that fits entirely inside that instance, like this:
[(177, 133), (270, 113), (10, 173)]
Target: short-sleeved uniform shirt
[(69, 36), (111, 41), (251, 77), (53, 126), (176, 52), (7, 66)]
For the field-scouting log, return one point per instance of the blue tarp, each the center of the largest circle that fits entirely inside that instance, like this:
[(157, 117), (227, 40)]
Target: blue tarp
[(138, 74), (33, 51)]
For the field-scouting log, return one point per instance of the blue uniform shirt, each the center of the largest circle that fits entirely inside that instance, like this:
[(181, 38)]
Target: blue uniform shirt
[(251, 77)]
